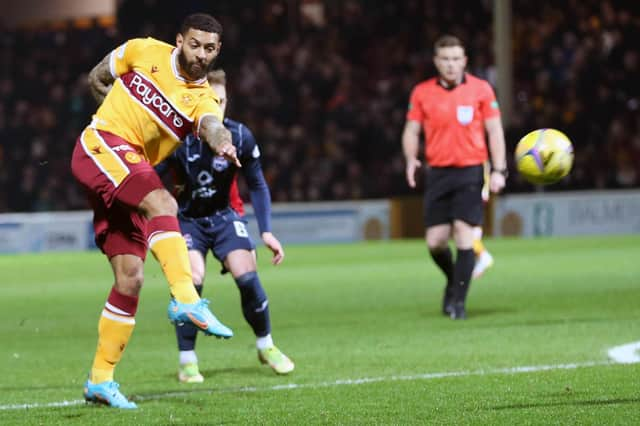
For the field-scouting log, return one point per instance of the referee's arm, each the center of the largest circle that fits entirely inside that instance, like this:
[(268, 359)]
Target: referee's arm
[(497, 150), (410, 148)]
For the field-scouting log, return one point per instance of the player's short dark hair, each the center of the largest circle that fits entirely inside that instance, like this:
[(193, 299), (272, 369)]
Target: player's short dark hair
[(447, 40), (202, 22), (217, 76)]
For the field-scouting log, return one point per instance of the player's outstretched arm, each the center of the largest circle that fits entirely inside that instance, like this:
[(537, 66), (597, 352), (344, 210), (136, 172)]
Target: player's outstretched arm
[(101, 80), (260, 197), (213, 132)]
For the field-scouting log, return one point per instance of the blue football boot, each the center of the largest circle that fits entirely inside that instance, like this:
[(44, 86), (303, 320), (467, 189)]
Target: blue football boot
[(199, 315), (107, 393)]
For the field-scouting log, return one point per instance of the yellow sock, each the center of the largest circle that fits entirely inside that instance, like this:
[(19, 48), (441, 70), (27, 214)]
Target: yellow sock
[(478, 246), (170, 249), (114, 332)]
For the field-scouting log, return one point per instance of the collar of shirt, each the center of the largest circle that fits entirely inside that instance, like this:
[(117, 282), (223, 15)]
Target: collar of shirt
[(444, 85)]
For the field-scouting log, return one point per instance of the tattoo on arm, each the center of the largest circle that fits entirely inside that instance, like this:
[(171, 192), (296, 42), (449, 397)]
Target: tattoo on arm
[(101, 80)]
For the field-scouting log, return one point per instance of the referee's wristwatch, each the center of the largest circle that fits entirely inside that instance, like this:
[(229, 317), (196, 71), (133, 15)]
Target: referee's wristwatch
[(504, 172)]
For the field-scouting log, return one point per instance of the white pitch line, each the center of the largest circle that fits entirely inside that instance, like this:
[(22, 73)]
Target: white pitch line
[(41, 405), (342, 382), (625, 354)]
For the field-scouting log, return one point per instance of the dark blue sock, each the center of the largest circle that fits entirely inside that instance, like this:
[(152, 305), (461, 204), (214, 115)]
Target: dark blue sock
[(255, 305), (187, 332)]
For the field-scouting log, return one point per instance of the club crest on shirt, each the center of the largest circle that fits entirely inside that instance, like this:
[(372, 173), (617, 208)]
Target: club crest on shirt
[(465, 114), (186, 99), (132, 157), (219, 163)]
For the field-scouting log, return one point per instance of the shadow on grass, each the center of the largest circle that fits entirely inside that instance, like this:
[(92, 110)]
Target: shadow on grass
[(537, 322), (40, 387), (185, 390), (242, 371), (256, 371), (591, 402), (488, 312), (476, 312), (213, 373)]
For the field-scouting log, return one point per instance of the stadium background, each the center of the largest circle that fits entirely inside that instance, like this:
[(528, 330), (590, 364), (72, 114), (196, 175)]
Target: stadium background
[(324, 86)]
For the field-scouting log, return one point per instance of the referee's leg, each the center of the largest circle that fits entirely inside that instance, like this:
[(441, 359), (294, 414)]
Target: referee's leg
[(437, 238), (467, 212), (465, 261)]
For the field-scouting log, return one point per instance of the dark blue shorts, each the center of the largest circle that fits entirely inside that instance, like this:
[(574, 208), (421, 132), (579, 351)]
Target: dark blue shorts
[(221, 233)]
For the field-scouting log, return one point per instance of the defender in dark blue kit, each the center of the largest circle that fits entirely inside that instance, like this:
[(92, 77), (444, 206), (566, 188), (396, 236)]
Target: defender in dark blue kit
[(209, 222)]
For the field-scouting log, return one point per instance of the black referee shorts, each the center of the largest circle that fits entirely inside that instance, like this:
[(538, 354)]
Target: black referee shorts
[(453, 193)]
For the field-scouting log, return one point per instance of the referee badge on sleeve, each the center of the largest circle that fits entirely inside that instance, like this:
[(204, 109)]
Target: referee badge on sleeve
[(465, 114)]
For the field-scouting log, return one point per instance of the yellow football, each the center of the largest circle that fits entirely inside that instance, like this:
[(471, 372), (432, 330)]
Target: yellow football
[(544, 156)]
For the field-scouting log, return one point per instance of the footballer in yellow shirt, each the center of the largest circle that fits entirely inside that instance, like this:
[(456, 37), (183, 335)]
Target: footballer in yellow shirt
[(152, 95)]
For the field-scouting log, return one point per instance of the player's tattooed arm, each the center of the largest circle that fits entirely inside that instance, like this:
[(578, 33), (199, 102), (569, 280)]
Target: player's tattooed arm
[(213, 132), (101, 80)]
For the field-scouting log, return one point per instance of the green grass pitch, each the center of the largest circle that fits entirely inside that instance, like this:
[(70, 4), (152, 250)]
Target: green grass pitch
[(363, 324)]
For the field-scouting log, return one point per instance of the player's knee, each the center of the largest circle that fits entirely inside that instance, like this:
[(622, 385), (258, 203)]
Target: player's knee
[(129, 278), (159, 202), (240, 262), (463, 234), (437, 243), (437, 239), (252, 293)]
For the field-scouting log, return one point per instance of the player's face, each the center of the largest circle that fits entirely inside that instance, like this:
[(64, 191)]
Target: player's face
[(196, 51), (221, 92), (450, 62)]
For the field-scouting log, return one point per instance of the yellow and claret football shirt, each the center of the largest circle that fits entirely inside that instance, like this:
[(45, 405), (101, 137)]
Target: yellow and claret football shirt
[(453, 120), (150, 104)]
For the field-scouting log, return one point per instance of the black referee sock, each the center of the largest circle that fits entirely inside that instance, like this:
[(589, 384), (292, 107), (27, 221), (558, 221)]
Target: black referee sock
[(444, 259), (465, 261)]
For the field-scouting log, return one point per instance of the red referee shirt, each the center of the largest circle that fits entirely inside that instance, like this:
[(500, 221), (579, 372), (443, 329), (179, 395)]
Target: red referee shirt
[(453, 120)]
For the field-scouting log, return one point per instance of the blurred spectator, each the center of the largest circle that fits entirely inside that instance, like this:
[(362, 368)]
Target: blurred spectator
[(324, 87)]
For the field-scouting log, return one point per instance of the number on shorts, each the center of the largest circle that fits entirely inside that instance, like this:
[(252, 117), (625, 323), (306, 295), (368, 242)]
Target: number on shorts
[(241, 230)]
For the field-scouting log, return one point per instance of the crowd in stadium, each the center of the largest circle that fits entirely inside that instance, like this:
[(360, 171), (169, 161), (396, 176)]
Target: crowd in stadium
[(325, 90)]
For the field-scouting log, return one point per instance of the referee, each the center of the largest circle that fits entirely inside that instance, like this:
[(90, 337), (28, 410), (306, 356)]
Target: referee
[(454, 109)]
